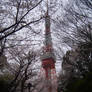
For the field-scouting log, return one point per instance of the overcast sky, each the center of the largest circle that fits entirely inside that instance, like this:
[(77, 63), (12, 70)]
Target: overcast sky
[(41, 27)]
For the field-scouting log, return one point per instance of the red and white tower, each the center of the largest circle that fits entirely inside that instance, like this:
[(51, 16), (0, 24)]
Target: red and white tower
[(48, 59)]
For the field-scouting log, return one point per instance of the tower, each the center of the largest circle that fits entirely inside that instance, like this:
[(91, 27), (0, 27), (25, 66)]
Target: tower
[(48, 59)]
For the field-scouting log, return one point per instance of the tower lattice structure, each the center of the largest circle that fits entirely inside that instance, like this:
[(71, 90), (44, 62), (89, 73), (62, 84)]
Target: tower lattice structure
[(48, 60)]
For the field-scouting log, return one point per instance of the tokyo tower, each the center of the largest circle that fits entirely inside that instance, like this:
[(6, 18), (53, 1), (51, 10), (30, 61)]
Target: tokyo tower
[(48, 59)]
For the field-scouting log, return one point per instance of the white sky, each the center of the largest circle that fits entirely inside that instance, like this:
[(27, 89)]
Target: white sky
[(58, 63)]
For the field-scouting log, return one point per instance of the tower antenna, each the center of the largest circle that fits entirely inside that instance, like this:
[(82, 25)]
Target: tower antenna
[(47, 7)]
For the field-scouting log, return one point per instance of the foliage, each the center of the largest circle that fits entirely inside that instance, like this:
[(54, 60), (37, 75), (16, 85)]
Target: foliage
[(77, 64), (80, 85), (4, 82)]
